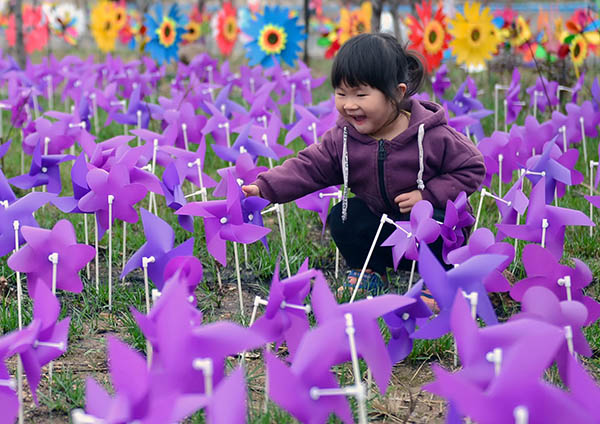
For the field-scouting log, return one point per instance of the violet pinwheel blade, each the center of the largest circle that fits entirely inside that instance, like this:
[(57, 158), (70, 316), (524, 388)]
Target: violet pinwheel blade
[(228, 404), (9, 401)]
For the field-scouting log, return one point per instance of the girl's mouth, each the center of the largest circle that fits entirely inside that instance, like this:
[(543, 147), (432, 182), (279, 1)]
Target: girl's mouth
[(359, 118)]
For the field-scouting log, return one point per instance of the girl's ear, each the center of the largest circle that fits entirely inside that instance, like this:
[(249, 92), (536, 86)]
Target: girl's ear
[(401, 90)]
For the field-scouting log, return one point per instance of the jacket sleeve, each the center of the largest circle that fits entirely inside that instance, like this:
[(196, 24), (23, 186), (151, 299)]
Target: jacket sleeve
[(315, 167), (462, 169)]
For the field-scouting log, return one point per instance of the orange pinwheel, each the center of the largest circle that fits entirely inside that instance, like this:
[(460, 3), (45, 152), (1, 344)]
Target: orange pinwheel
[(428, 34)]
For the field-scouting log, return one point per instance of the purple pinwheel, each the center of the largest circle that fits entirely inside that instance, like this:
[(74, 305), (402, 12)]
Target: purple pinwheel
[(586, 112), (186, 270), (485, 391), (54, 132), (369, 341), (4, 148), (182, 160), (482, 241), (583, 387), (185, 115), (244, 143), (457, 219), (466, 103), (444, 285), (73, 126), (116, 183), (440, 82), (244, 171), (576, 89), (572, 128), (421, 228), (500, 148), (79, 171), (226, 105), (319, 202), (514, 205), (103, 154), (49, 336), (45, 170), (305, 84), (217, 125), (22, 211), (543, 269), (540, 214), (323, 108), (252, 80), (262, 106), (223, 220), (228, 403), (541, 304), (546, 94), (513, 104), (310, 127), (402, 323), (9, 401), (174, 197), (135, 105), (270, 136), (252, 207), (280, 323), (159, 244), (532, 136), (7, 196), (33, 258), (594, 200)]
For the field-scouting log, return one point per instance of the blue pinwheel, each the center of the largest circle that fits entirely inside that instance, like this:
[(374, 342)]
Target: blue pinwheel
[(165, 32)]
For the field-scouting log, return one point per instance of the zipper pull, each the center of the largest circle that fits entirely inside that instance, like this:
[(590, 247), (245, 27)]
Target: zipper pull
[(381, 153)]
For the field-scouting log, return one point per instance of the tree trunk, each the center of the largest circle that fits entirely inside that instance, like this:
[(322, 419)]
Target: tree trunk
[(395, 19), (20, 46), (376, 18), (306, 57)]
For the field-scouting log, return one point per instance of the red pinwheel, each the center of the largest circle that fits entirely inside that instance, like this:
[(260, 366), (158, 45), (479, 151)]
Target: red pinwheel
[(319, 202), (543, 269), (369, 342), (35, 29), (22, 211), (545, 224), (444, 285), (402, 323), (456, 218), (422, 227), (33, 258), (541, 304), (223, 220), (482, 241), (45, 170), (159, 244), (115, 183), (280, 323)]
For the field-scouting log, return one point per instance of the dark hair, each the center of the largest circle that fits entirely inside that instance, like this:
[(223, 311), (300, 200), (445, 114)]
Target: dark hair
[(378, 60)]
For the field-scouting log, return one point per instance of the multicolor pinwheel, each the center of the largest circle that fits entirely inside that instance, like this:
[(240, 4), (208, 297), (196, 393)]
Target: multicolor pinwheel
[(165, 32), (428, 34), (274, 37)]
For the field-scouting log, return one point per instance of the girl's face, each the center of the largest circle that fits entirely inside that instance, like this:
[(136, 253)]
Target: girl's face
[(366, 108)]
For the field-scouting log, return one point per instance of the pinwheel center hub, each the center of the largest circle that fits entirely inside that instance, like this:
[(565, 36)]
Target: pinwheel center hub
[(166, 32), (107, 26), (434, 37), (577, 50), (475, 35), (223, 220), (272, 39), (230, 29)]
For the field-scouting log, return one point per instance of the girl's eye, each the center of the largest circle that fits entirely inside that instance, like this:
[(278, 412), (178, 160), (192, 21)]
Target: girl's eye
[(361, 95), (340, 94)]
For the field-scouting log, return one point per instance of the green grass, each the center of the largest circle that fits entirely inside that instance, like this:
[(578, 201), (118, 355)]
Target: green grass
[(89, 313)]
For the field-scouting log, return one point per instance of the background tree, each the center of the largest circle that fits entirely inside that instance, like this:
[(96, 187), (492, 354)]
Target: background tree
[(20, 45)]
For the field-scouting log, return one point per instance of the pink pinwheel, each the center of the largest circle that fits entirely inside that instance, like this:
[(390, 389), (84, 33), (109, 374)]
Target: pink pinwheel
[(546, 94), (500, 145), (421, 228), (159, 244), (513, 103), (402, 323), (539, 213), (514, 205), (174, 197), (290, 387), (319, 202), (457, 219), (45, 170), (244, 171), (244, 143), (223, 220), (543, 269), (280, 323), (33, 258), (365, 313), (541, 304), (468, 277), (50, 336), (116, 183), (522, 365), (440, 82), (483, 241), (310, 127), (22, 211)]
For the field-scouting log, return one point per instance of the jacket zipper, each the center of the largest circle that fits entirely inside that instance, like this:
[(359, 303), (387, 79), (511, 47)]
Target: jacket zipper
[(381, 155)]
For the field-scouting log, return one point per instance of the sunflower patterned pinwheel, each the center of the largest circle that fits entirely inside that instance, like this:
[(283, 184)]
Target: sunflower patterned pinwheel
[(105, 23), (355, 22), (227, 29), (165, 32), (428, 34)]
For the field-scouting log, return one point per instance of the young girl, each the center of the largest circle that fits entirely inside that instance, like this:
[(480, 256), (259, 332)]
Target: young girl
[(390, 150)]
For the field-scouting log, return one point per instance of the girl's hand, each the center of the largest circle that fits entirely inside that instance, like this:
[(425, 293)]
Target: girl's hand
[(251, 190), (406, 201)]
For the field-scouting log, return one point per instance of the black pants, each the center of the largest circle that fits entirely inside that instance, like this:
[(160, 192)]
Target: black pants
[(354, 237)]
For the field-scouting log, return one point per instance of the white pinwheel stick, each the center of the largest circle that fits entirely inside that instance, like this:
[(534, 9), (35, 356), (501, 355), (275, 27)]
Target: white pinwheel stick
[(313, 127), (500, 161), (36, 106), (382, 221), (473, 299), (185, 136), (583, 139), (482, 195), (566, 283), (124, 258), (138, 114), (96, 259), (563, 130), (266, 141), (521, 414), (292, 101), (278, 208), (198, 164), (225, 125), (545, 225), (16, 226), (495, 357), (111, 199), (408, 235), (506, 112), (592, 165), (338, 196), (145, 261), (497, 88), (50, 87), (80, 417), (238, 276), (152, 199), (53, 258), (559, 89), (206, 366), (95, 112), (536, 94), (569, 337)]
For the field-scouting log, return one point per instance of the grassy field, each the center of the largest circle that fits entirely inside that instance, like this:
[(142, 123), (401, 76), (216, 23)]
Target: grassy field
[(91, 320)]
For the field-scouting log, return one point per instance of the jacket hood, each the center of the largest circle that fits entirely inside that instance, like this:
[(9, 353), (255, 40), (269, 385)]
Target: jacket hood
[(429, 114)]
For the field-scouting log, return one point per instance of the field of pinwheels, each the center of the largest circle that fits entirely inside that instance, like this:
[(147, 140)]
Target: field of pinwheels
[(139, 284)]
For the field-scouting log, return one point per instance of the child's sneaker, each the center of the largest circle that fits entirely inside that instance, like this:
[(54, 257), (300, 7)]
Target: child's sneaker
[(372, 283), (429, 300)]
